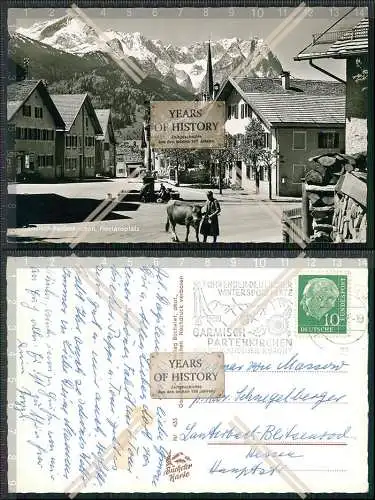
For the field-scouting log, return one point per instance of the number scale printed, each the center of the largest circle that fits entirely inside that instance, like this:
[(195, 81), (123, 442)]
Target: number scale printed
[(160, 125), (163, 379)]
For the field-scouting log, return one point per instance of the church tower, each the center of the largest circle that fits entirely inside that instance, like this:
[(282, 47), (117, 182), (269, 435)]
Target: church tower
[(209, 76)]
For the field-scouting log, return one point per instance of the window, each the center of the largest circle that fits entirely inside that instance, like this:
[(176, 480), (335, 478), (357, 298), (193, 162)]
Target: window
[(38, 112), (71, 163), (328, 140), (247, 111), (89, 141), (298, 173), (26, 110), (28, 134), (242, 110), (80, 141), (45, 161), (68, 141), (18, 132), (235, 111), (106, 146), (87, 123), (89, 162), (74, 142), (229, 116), (50, 135), (44, 134), (299, 141)]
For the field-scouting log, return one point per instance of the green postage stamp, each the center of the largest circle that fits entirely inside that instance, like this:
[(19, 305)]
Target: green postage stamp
[(322, 304)]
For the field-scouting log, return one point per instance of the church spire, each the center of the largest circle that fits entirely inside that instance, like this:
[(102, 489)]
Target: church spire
[(209, 74)]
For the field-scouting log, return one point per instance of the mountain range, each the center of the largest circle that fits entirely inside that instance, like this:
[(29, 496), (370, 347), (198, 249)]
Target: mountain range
[(70, 57), (181, 66)]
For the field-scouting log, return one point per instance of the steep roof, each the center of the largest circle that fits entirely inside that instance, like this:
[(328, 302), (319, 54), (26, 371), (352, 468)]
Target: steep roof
[(284, 109), (339, 41), (296, 86), (69, 105), (104, 116), (19, 92)]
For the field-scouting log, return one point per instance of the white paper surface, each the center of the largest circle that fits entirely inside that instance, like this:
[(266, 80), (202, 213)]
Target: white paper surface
[(299, 401)]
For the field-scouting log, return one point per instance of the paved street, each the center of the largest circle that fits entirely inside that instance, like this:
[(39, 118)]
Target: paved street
[(55, 213)]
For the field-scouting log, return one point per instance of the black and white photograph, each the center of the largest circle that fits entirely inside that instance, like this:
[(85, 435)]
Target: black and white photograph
[(210, 125)]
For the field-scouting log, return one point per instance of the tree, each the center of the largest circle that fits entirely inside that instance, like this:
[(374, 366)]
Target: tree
[(225, 157), (252, 148), (181, 158)]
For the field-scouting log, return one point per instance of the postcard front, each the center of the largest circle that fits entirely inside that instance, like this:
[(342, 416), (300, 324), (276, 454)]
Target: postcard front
[(292, 341), (114, 113)]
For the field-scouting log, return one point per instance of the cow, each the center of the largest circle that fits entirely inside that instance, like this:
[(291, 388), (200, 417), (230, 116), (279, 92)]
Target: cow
[(184, 214)]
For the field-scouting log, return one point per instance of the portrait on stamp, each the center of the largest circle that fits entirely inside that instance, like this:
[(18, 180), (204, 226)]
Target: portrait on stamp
[(322, 304)]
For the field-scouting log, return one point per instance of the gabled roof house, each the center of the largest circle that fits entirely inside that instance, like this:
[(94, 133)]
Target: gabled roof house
[(82, 126), (346, 39), (34, 127), (299, 117)]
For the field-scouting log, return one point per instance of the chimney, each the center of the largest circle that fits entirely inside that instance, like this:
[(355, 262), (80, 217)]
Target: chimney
[(285, 80)]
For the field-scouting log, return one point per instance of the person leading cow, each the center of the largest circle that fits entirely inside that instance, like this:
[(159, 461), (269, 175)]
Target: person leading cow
[(210, 221)]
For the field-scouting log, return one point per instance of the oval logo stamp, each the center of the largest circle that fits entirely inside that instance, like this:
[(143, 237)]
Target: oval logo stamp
[(322, 304)]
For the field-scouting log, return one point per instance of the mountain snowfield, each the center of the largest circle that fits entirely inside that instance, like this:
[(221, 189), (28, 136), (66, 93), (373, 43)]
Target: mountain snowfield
[(186, 65)]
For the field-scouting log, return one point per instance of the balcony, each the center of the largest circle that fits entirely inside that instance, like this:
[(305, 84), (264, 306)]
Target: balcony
[(335, 36)]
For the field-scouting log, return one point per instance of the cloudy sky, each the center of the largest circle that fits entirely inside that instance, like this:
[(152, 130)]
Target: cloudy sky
[(184, 26)]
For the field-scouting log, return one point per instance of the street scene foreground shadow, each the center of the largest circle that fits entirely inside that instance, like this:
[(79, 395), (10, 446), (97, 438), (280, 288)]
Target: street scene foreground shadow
[(46, 208), (243, 218)]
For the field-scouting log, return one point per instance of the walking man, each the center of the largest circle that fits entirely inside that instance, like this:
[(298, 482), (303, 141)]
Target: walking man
[(210, 221)]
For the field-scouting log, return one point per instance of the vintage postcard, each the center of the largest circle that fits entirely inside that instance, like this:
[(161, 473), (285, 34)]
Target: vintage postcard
[(187, 376), (159, 125)]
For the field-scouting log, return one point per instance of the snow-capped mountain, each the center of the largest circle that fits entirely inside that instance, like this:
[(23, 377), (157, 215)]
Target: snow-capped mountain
[(187, 65)]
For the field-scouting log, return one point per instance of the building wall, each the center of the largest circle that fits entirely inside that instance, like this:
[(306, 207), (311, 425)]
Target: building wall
[(293, 163), (31, 150), (241, 173), (235, 125), (109, 149), (80, 160), (99, 156), (356, 105)]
